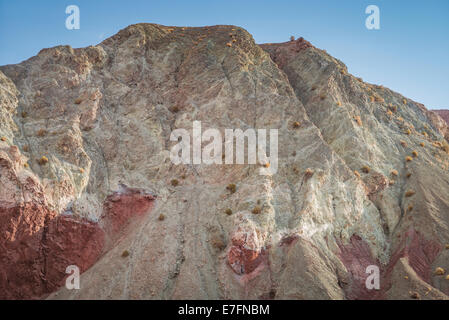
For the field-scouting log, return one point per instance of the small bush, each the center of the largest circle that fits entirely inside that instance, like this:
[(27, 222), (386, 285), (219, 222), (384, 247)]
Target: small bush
[(229, 44), (322, 96), (231, 187), (357, 173), (43, 160), (3, 138), (425, 134), (174, 109), (339, 103), (394, 173), (308, 173), (174, 182), (81, 170), (24, 114), (409, 174), (409, 208), (314, 87), (415, 295), (408, 158), (409, 193), (439, 271), (391, 182), (228, 212), (422, 144), (266, 165), (366, 169), (78, 100), (25, 165), (415, 153), (256, 210), (389, 113), (125, 253), (218, 243), (161, 217), (26, 148), (41, 132), (404, 101), (403, 143), (296, 124), (183, 177)]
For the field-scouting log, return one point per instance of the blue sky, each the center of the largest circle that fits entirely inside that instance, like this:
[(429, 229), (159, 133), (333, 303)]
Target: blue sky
[(409, 54)]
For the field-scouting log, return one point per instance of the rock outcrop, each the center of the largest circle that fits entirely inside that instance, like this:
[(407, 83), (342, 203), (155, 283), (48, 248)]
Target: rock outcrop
[(87, 180)]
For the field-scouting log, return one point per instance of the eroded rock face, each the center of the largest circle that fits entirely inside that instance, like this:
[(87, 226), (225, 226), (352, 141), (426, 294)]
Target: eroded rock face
[(102, 117)]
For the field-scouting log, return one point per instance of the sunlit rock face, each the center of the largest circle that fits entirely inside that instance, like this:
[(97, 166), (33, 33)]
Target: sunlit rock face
[(87, 179)]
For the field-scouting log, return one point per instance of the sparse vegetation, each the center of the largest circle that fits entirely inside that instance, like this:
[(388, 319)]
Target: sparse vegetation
[(24, 114), (408, 132), (394, 173), (313, 87), (26, 148), (415, 153), (174, 182), (3, 138), (125, 253), (408, 158), (357, 173), (174, 109), (409, 193), (25, 165), (266, 165), (422, 144), (256, 210), (409, 174), (81, 170), (43, 160), (404, 101), (366, 169), (229, 44), (308, 173), (403, 143), (439, 271), (409, 208), (231, 187), (161, 217), (339, 103), (296, 124), (322, 96), (78, 100), (415, 295), (228, 211), (41, 133)]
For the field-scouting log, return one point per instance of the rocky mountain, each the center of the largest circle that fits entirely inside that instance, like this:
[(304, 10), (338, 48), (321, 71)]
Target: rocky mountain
[(87, 180), (443, 114)]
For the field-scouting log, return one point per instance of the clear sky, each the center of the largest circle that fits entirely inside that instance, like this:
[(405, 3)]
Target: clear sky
[(409, 54)]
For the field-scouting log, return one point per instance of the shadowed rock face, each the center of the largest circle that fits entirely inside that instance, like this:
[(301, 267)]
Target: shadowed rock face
[(443, 114), (344, 196)]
